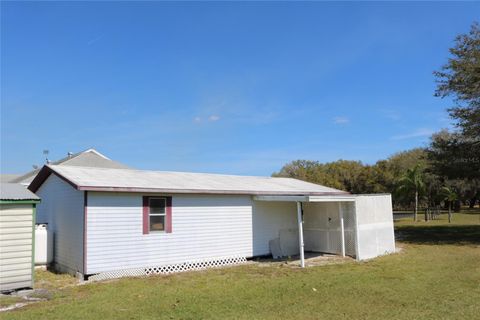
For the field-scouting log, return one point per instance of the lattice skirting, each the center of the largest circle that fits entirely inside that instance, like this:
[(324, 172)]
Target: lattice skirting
[(171, 268)]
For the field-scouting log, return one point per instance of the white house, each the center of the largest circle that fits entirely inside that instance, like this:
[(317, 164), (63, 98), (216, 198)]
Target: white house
[(115, 222)]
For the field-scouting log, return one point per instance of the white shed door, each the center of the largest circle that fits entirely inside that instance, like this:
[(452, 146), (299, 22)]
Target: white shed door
[(16, 229)]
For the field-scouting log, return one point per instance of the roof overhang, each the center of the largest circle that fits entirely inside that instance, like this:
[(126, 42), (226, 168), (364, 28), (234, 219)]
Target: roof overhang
[(20, 201), (339, 197), (199, 191)]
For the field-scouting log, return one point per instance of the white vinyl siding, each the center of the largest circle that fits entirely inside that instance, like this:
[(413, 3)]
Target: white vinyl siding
[(62, 209), (203, 227), (16, 229), (269, 219)]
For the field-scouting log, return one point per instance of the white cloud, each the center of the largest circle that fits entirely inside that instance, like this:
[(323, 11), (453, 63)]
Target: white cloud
[(391, 114), (92, 41), (341, 120), (422, 132), (213, 117)]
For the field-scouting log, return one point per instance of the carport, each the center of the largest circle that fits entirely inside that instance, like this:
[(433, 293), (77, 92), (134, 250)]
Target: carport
[(359, 226)]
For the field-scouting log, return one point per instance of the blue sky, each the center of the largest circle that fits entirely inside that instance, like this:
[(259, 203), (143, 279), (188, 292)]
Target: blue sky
[(237, 88)]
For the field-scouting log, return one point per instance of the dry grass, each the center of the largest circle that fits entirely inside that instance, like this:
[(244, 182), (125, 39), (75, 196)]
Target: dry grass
[(7, 300), (53, 281)]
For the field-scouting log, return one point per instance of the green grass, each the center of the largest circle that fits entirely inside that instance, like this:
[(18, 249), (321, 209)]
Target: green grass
[(463, 230), (467, 217), (436, 276)]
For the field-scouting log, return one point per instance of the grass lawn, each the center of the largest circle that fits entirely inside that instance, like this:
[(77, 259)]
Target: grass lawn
[(435, 276)]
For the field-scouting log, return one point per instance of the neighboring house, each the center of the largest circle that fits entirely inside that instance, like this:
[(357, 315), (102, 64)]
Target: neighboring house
[(17, 225), (6, 178), (117, 222), (87, 158)]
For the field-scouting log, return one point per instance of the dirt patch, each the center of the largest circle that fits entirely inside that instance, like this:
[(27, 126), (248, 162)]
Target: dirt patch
[(21, 298), (311, 260)]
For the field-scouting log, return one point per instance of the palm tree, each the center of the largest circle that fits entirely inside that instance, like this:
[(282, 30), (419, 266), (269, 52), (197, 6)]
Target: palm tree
[(449, 195), (412, 183)]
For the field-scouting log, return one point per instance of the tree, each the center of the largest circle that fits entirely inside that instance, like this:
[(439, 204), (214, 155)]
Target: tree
[(412, 183), (466, 190), (433, 185), (356, 177), (450, 196), (457, 154), (341, 174), (401, 161), (312, 171), (398, 164), (460, 78), (453, 156)]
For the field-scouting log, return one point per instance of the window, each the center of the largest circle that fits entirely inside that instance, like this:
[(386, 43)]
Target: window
[(157, 214)]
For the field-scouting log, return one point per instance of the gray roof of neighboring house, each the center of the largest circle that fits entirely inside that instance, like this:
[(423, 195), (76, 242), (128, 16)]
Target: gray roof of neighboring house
[(129, 180), (15, 191), (6, 177), (87, 158)]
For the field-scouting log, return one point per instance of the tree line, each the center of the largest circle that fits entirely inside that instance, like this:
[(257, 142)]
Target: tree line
[(447, 172)]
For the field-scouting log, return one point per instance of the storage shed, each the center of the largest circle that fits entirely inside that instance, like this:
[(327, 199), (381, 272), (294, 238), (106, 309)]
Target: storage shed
[(17, 245), (117, 222)]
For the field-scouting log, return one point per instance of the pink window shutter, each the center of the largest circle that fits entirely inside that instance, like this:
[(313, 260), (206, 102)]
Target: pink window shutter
[(146, 227), (168, 228)]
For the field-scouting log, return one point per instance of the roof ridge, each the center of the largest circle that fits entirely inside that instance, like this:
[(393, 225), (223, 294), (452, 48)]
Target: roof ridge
[(169, 171), (68, 158)]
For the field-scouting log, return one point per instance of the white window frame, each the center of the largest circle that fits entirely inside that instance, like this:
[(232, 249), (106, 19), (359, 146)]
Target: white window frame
[(157, 214)]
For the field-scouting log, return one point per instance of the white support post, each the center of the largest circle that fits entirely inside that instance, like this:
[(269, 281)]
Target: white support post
[(342, 228), (300, 234), (357, 246)]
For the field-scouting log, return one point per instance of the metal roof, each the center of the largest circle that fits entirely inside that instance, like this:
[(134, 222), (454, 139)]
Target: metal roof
[(7, 177), (90, 158), (87, 158), (129, 180), (15, 191)]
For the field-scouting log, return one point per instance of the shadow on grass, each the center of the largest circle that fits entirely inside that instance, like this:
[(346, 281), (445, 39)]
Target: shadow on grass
[(461, 235)]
